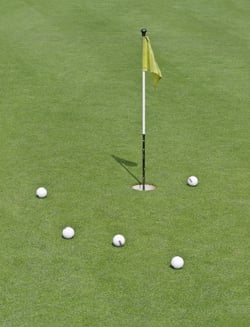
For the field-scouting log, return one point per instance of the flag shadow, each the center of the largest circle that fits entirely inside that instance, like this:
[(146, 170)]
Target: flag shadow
[(125, 164)]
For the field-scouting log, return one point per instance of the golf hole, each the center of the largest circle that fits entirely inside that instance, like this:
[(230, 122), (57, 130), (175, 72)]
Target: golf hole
[(139, 187)]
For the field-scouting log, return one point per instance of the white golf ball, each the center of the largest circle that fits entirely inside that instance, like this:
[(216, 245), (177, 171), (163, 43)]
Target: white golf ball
[(192, 181), (41, 192), (177, 262), (68, 232), (119, 240)]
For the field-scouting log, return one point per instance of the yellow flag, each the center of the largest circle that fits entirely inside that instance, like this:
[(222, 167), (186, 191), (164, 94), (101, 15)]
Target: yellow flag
[(148, 61)]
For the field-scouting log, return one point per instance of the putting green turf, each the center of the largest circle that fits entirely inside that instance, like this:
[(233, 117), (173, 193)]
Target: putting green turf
[(70, 110)]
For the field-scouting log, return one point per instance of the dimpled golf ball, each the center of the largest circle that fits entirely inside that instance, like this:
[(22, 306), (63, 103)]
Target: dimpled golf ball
[(68, 232), (177, 262), (192, 181), (41, 192), (119, 240)]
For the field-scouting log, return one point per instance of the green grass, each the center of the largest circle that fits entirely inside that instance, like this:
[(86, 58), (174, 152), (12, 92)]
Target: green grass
[(70, 101)]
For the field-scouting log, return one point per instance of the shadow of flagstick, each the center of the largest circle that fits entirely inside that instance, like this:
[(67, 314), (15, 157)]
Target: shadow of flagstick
[(125, 164)]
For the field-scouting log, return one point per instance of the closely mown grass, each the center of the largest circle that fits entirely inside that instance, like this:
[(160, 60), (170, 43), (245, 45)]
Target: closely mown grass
[(70, 108)]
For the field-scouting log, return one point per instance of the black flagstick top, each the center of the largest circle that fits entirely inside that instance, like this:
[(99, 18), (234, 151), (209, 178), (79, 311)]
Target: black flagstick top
[(143, 31)]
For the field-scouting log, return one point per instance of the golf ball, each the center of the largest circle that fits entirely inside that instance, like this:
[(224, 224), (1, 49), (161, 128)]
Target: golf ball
[(41, 192), (192, 181), (177, 262), (119, 240), (68, 232)]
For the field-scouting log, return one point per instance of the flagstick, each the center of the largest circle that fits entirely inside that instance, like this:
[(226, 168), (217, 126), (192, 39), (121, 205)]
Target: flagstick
[(143, 131), (143, 31)]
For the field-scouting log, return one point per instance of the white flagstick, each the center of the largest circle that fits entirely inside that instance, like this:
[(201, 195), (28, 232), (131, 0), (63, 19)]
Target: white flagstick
[(143, 31), (143, 131), (148, 64)]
